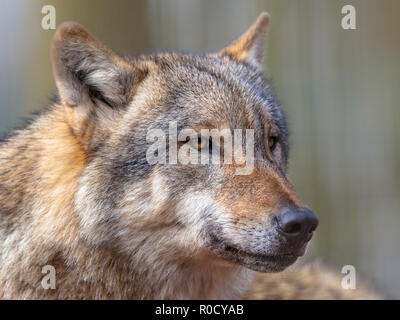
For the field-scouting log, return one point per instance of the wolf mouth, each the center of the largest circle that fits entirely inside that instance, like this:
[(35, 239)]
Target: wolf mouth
[(260, 262), (254, 261)]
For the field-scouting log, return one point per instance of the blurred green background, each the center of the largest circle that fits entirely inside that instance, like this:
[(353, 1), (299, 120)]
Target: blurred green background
[(340, 89)]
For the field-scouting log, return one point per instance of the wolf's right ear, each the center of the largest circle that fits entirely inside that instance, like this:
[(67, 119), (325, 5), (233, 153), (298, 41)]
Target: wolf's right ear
[(86, 69)]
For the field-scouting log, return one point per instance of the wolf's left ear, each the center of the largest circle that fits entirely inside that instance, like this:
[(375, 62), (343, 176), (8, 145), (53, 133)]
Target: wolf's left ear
[(249, 47), (86, 70)]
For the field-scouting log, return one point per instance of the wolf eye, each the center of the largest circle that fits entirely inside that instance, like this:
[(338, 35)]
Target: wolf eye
[(201, 143), (272, 141)]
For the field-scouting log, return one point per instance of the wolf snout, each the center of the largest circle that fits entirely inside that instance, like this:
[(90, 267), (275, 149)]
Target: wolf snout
[(296, 223)]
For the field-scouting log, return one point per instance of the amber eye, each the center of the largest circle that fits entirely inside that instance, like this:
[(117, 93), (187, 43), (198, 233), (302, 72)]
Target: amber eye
[(201, 143), (272, 141)]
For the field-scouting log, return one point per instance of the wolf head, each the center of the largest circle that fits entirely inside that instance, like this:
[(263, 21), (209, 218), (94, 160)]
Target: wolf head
[(180, 211)]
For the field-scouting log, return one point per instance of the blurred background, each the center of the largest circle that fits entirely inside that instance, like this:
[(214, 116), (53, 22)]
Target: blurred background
[(340, 89)]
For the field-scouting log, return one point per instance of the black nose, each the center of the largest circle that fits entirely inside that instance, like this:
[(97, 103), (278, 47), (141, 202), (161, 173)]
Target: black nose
[(297, 222)]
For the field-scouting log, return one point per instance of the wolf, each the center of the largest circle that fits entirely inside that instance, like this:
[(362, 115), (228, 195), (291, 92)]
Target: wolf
[(78, 194)]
